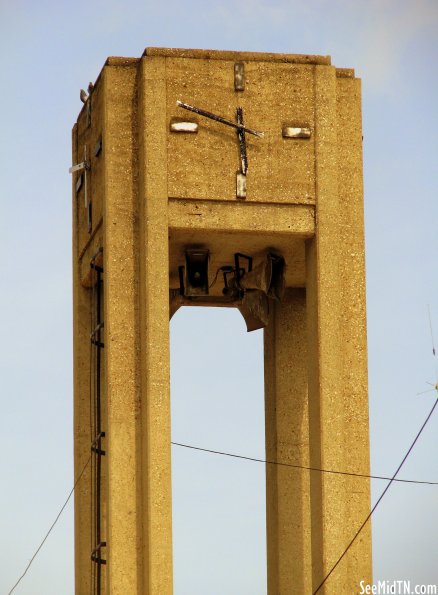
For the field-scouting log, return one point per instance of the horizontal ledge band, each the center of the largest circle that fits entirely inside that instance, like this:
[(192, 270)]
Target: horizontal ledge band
[(296, 219)]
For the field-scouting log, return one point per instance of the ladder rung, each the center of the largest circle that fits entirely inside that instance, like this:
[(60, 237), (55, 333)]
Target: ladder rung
[(97, 343)]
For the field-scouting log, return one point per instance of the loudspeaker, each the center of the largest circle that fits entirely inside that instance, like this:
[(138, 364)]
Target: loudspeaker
[(196, 272), (268, 276)]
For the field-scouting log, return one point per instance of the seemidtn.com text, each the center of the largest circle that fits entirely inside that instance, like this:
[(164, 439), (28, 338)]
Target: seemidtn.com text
[(397, 587)]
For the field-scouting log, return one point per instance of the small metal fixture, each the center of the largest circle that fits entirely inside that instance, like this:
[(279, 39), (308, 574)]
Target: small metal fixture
[(233, 275), (238, 268), (183, 126), (85, 167), (296, 132), (78, 167), (196, 272), (239, 76), (95, 554), (95, 445)]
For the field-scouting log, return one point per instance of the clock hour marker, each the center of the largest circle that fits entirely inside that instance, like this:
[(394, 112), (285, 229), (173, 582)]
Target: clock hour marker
[(239, 76), (183, 126), (296, 132), (240, 185)]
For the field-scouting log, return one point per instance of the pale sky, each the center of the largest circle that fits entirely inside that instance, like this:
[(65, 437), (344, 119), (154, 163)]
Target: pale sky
[(49, 50)]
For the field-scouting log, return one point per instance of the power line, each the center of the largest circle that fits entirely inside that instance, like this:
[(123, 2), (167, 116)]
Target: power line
[(51, 527), (236, 456), (379, 500), (295, 466)]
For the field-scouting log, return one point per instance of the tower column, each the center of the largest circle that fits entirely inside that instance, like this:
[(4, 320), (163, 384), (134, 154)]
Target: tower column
[(125, 509), (154, 330), (337, 365), (287, 441)]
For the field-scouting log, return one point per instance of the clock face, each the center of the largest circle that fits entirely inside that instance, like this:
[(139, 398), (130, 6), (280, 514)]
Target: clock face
[(204, 164)]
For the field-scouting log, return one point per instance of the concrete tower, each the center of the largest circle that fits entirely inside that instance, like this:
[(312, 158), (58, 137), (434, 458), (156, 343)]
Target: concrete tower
[(188, 164)]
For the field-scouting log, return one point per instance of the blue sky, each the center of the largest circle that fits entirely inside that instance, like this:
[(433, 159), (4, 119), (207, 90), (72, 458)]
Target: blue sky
[(49, 50)]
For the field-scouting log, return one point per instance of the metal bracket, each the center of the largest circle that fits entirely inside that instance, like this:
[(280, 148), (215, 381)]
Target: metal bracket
[(96, 333), (86, 167), (94, 554), (95, 445), (238, 268), (79, 167)]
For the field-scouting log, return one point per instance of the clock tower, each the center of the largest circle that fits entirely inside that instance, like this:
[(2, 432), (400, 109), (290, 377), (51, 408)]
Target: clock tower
[(229, 179)]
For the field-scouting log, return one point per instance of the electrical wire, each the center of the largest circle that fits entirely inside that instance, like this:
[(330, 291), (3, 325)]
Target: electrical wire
[(224, 268), (52, 525), (296, 466), (236, 456), (378, 501)]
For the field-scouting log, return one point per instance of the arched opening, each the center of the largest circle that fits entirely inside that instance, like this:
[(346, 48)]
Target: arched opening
[(219, 503)]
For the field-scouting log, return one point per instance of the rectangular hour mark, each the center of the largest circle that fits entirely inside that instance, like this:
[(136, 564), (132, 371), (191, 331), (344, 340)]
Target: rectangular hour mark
[(296, 132), (240, 185), (239, 76), (183, 126)]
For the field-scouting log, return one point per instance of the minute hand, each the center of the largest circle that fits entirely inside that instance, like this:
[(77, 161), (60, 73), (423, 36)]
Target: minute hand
[(201, 112)]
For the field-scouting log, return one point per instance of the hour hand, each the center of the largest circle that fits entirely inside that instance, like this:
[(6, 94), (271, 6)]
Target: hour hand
[(242, 142), (216, 118)]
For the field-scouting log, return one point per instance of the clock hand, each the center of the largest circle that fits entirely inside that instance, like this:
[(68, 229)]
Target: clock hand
[(242, 142), (206, 114)]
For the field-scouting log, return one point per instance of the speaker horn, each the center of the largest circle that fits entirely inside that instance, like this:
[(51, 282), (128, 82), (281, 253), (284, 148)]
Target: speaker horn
[(196, 272), (255, 309), (268, 276)]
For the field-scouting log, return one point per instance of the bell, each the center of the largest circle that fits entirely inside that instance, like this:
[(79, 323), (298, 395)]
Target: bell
[(268, 276), (255, 309)]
